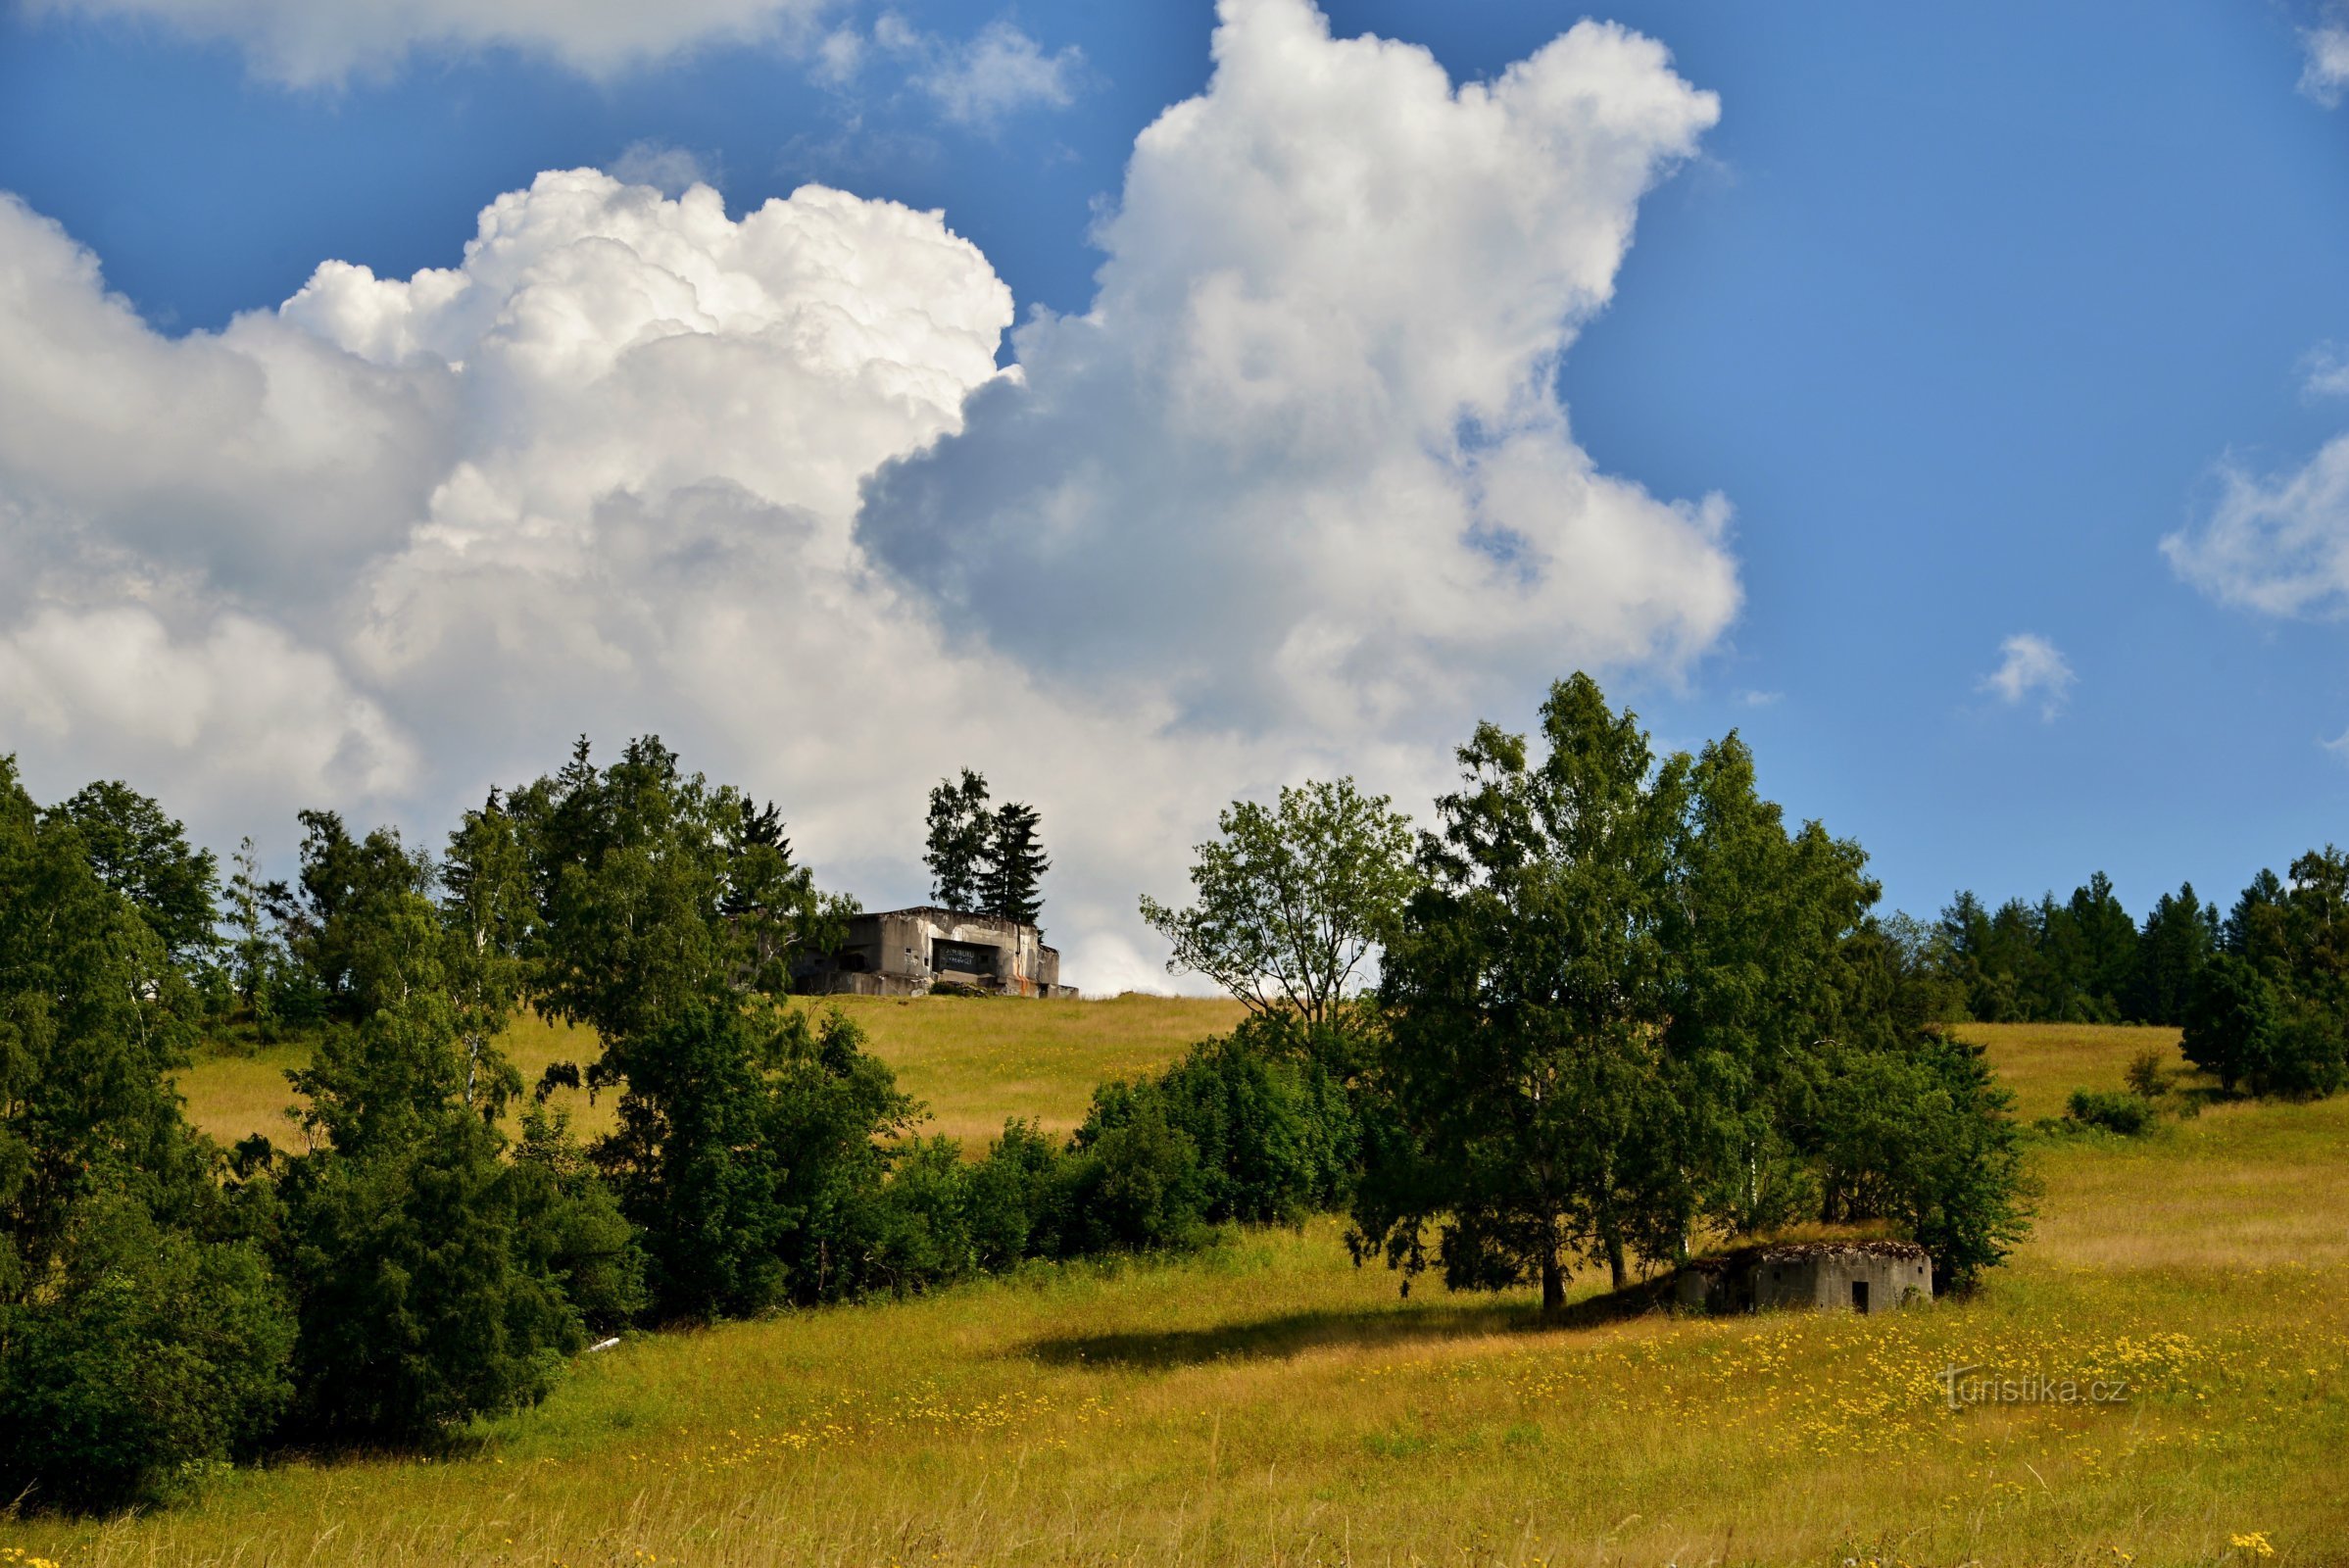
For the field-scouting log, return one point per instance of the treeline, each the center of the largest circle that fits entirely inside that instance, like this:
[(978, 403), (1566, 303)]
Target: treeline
[(435, 1242), (2260, 992), (1623, 1011)]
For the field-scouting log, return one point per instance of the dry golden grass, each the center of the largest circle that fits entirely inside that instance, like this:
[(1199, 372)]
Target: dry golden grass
[(974, 1062), (1267, 1402), (2043, 1063)]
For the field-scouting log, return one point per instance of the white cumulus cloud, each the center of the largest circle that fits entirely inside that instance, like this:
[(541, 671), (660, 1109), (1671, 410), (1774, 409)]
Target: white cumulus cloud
[(314, 42), (2030, 669), (1301, 463), (1296, 497)]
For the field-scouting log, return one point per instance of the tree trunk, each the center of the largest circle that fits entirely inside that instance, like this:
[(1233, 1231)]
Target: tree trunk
[(1615, 1261), (1553, 1285)]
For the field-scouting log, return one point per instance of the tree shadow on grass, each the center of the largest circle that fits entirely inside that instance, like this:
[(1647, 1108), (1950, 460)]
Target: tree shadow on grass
[(1294, 1334)]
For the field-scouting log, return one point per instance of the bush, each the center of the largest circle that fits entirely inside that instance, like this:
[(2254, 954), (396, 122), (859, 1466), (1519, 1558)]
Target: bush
[(2130, 1115), (1275, 1136), (1134, 1184), (159, 1353), (2148, 1078), (1922, 1136), (429, 1281)]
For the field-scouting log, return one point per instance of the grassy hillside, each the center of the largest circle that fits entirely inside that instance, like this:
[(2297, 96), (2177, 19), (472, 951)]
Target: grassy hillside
[(972, 1061), (1268, 1402)]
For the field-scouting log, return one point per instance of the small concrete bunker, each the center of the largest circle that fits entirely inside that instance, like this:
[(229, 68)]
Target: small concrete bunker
[(1823, 1276), (908, 953)]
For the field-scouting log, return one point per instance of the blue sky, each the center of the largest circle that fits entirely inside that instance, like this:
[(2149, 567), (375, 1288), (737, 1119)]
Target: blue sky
[(1961, 312)]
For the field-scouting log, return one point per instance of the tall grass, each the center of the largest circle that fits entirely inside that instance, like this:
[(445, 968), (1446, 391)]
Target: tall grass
[(1268, 1402)]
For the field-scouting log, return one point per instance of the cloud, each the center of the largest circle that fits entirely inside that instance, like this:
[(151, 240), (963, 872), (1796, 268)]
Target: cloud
[(671, 171), (2030, 669), (1294, 499), (982, 80), (237, 706), (1302, 466), (318, 42), (2278, 545), (2324, 77), (2325, 370)]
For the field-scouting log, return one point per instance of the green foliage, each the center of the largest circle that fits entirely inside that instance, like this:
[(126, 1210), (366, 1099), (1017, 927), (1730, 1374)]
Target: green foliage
[(1602, 1009), (2075, 962), (1011, 881), (2179, 936), (332, 917), (746, 1153), (1273, 1131), (2231, 1022), (91, 1020), (1631, 1005), (2130, 1115), (145, 1354), (428, 1285), (2148, 1079), (140, 852), (1291, 903), (1135, 1183), (137, 1336), (435, 1276), (1924, 1136), (960, 829)]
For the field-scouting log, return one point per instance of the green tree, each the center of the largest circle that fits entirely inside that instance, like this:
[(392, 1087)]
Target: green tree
[(142, 853), (1525, 994), (89, 1026), (2108, 937), (490, 920), (2179, 935), (770, 903), (960, 828), (424, 1297), (1292, 903), (1010, 883), (145, 1353), (1922, 1134), (137, 1333), (2230, 1021), (255, 954), (747, 1153), (345, 885)]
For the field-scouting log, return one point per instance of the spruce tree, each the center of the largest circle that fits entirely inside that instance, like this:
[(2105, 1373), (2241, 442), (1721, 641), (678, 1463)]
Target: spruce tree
[(1010, 883)]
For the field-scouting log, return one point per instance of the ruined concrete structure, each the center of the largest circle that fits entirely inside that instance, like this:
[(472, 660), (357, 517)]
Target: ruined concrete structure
[(908, 953), (1826, 1276)]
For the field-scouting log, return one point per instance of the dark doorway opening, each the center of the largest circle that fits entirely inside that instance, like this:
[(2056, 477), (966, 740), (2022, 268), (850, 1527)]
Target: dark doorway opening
[(1859, 1296)]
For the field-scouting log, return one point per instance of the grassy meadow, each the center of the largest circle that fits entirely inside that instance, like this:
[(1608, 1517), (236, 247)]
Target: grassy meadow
[(973, 1061), (1267, 1402)]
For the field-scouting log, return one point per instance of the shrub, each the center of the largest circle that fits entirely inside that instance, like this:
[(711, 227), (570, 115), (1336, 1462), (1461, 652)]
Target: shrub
[(158, 1353), (2130, 1115), (2148, 1078), (1017, 1199), (429, 1282), (1922, 1136), (1275, 1135), (1134, 1185)]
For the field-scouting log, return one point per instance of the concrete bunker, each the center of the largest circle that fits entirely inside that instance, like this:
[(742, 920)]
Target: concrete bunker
[(909, 953), (1871, 1276)]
